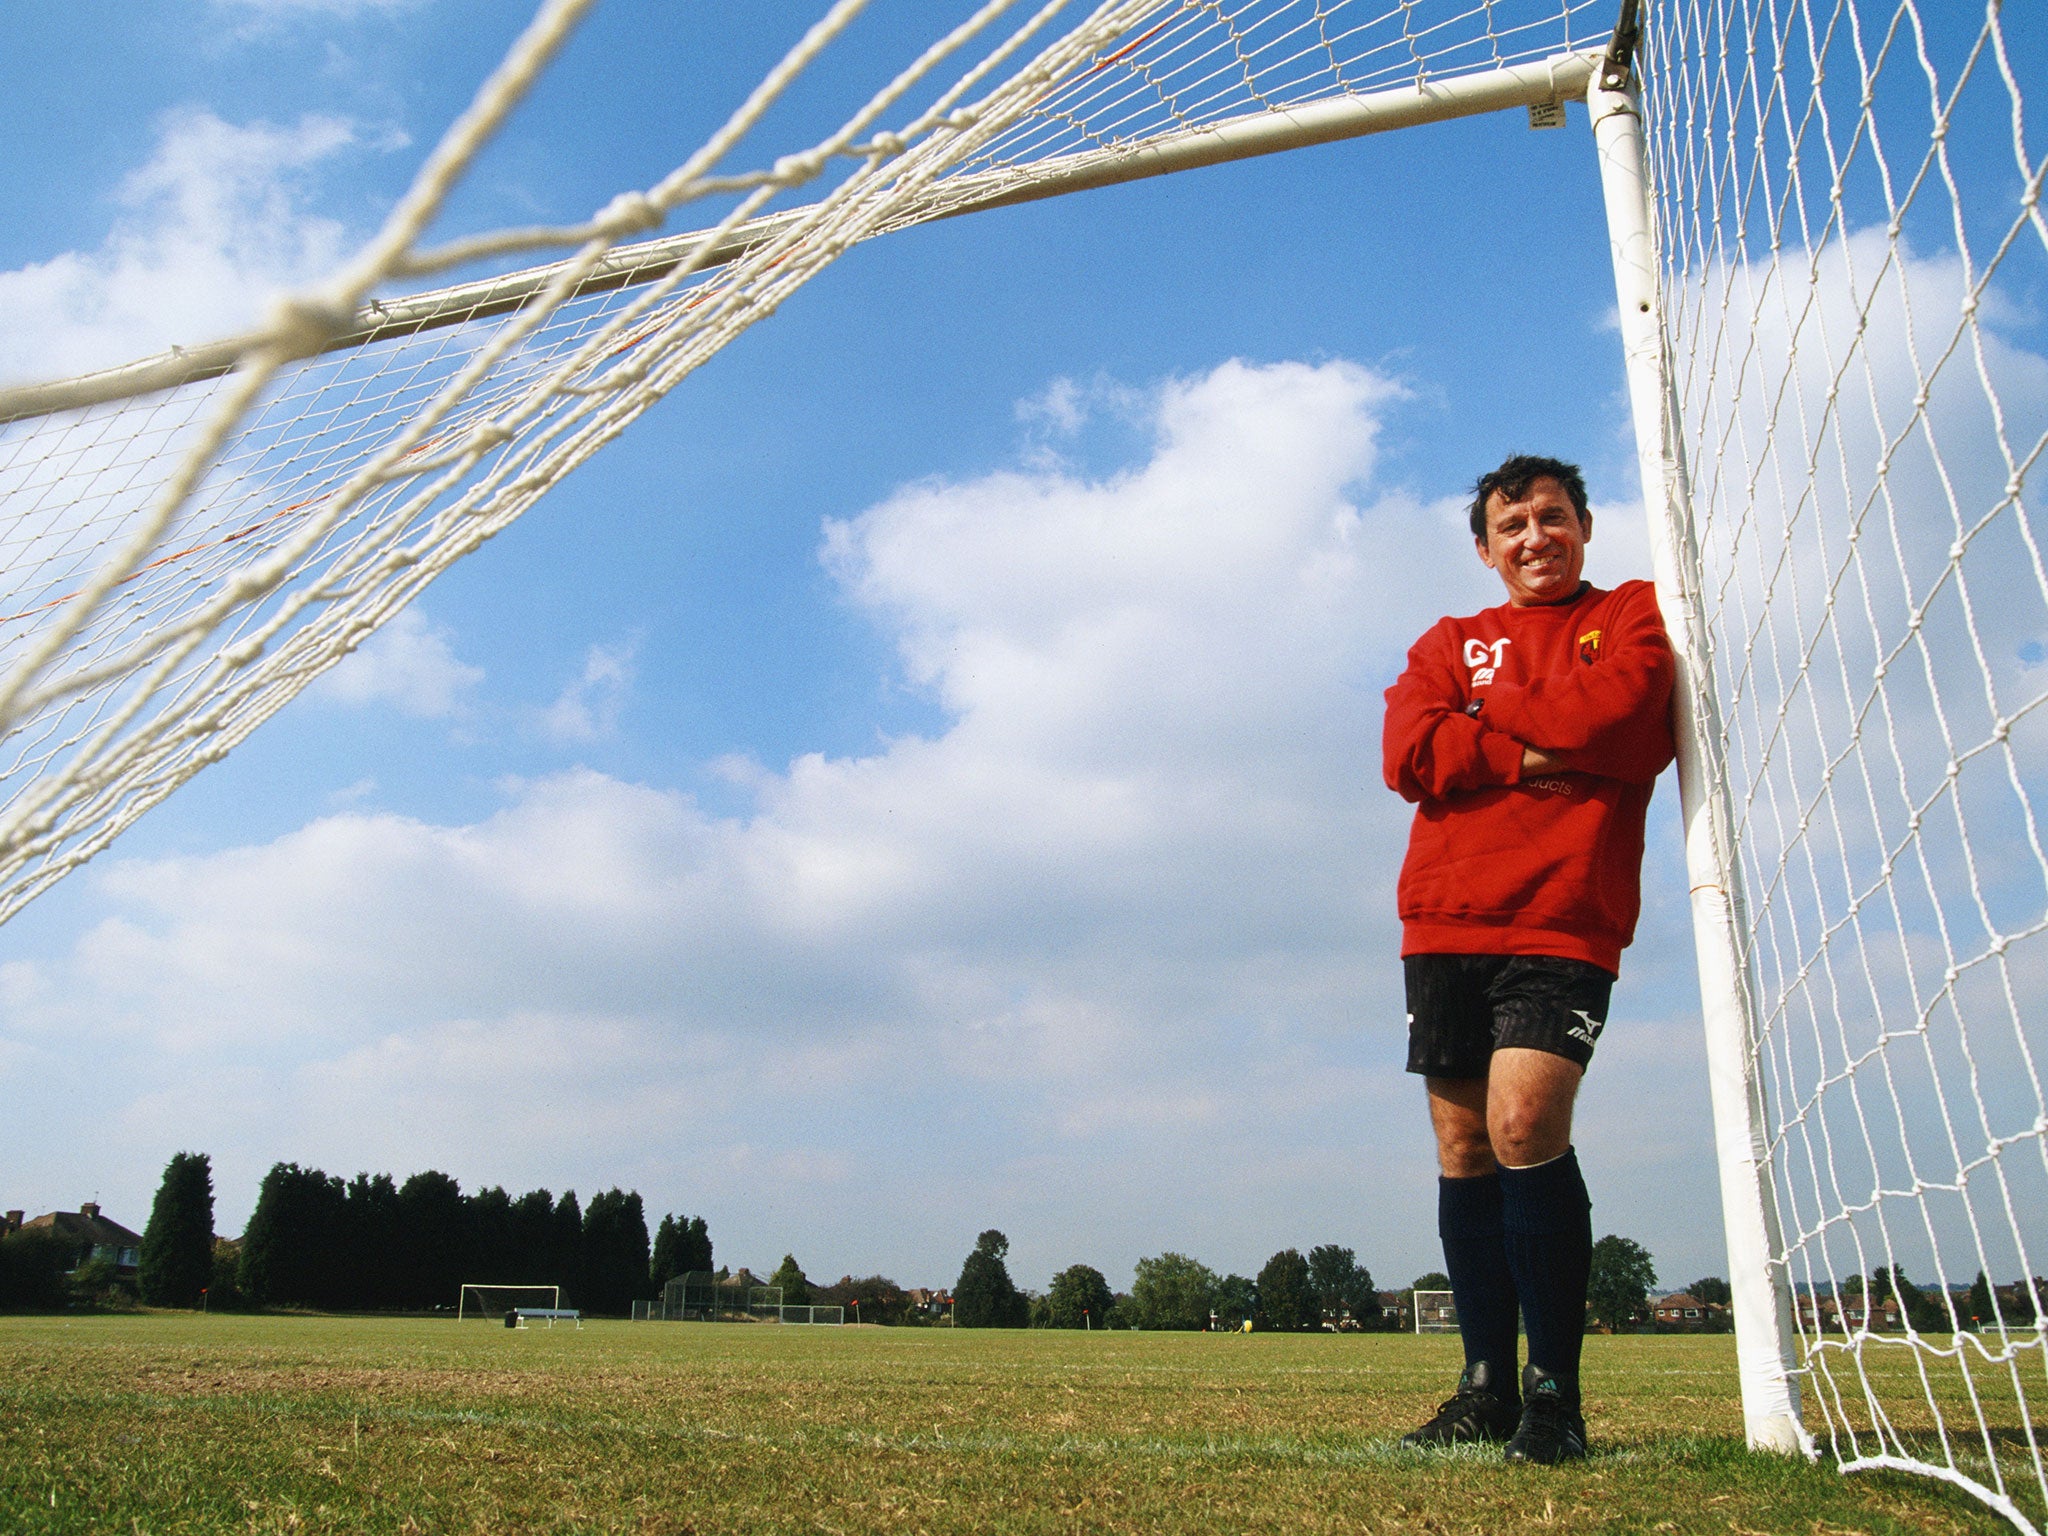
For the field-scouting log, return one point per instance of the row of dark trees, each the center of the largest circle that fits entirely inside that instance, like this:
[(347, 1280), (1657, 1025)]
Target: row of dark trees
[(373, 1244)]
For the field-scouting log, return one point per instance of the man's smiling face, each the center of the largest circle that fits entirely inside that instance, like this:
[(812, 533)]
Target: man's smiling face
[(1537, 546)]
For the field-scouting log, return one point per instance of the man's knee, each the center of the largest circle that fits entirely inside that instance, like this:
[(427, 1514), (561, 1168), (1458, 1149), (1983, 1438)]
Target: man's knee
[(1457, 1113), (1464, 1155), (1529, 1106), (1523, 1133)]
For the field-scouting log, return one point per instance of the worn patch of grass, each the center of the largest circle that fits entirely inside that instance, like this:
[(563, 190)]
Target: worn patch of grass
[(169, 1423)]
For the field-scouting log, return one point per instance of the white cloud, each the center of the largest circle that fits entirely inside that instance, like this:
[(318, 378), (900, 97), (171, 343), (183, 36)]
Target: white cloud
[(409, 664), (588, 708), (210, 228), (1109, 961)]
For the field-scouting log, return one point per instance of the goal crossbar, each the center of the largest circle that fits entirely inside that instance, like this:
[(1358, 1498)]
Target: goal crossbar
[(1540, 82)]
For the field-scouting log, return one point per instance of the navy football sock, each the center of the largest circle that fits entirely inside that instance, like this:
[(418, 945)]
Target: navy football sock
[(1548, 1220), (1468, 1219)]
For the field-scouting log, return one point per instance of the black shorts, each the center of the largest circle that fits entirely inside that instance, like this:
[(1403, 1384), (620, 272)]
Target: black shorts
[(1463, 1008)]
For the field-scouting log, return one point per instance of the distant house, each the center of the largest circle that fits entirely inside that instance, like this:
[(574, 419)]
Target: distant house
[(91, 1235), (1850, 1313), (1684, 1312)]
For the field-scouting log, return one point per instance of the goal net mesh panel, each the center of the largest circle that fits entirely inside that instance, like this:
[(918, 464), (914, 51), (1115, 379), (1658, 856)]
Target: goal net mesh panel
[(1852, 248), (193, 539)]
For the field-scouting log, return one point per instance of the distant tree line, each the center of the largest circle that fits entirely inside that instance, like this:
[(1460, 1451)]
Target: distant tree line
[(1327, 1289), (373, 1244), (365, 1244)]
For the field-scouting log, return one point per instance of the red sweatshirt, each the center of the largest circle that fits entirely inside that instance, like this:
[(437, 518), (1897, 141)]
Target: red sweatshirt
[(1552, 866)]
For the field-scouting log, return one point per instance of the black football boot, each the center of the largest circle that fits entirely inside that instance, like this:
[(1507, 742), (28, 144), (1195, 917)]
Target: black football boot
[(1476, 1413), (1552, 1429)]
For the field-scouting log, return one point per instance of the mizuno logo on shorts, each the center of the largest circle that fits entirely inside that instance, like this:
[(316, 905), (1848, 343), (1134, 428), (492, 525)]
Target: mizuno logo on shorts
[(1587, 1031)]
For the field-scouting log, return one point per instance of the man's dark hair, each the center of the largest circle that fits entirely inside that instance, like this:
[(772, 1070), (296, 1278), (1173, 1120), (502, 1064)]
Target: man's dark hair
[(1513, 479)]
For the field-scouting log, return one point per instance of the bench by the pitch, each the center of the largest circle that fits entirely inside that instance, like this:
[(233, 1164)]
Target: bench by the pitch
[(517, 1317)]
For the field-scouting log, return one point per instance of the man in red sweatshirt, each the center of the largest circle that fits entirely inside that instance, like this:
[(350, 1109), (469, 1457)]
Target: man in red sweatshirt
[(1528, 737)]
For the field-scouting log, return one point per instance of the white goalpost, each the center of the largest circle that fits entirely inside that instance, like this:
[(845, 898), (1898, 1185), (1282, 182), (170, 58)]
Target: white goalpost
[(1435, 1312), (1829, 255), (1836, 434)]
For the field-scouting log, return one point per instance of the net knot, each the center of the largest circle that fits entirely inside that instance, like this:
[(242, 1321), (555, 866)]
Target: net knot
[(887, 144), (791, 169), (302, 324), (629, 213)]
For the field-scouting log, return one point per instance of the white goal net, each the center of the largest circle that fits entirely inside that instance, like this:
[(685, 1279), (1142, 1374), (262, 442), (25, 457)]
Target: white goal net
[(193, 538), (1847, 273), (1854, 260)]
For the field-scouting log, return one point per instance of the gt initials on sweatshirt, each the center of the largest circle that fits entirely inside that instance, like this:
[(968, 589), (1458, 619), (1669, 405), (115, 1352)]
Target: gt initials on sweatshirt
[(1551, 865)]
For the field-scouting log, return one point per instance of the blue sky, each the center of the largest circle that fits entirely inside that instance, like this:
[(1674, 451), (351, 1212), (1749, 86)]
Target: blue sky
[(924, 777)]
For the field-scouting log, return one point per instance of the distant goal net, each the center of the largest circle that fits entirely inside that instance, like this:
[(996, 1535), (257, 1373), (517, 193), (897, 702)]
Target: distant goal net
[(807, 1313), (1435, 1312), (707, 1297), (491, 1302)]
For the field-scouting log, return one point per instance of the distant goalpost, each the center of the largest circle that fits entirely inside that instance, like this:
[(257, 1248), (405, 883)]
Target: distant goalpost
[(492, 1302), (704, 1297), (1435, 1312), (1817, 218)]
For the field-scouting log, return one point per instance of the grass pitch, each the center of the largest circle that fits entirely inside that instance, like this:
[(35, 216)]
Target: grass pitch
[(170, 1422)]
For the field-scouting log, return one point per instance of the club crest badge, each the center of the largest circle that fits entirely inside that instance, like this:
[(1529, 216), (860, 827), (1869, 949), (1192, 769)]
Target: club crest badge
[(1589, 646)]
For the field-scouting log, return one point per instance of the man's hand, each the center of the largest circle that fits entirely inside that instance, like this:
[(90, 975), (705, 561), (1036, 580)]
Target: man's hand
[(1536, 762)]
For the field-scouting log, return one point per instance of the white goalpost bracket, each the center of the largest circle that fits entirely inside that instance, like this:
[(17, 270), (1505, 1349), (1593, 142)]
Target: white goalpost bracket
[(1761, 1300)]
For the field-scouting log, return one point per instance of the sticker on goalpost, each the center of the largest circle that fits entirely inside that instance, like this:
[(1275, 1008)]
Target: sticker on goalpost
[(1546, 114)]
